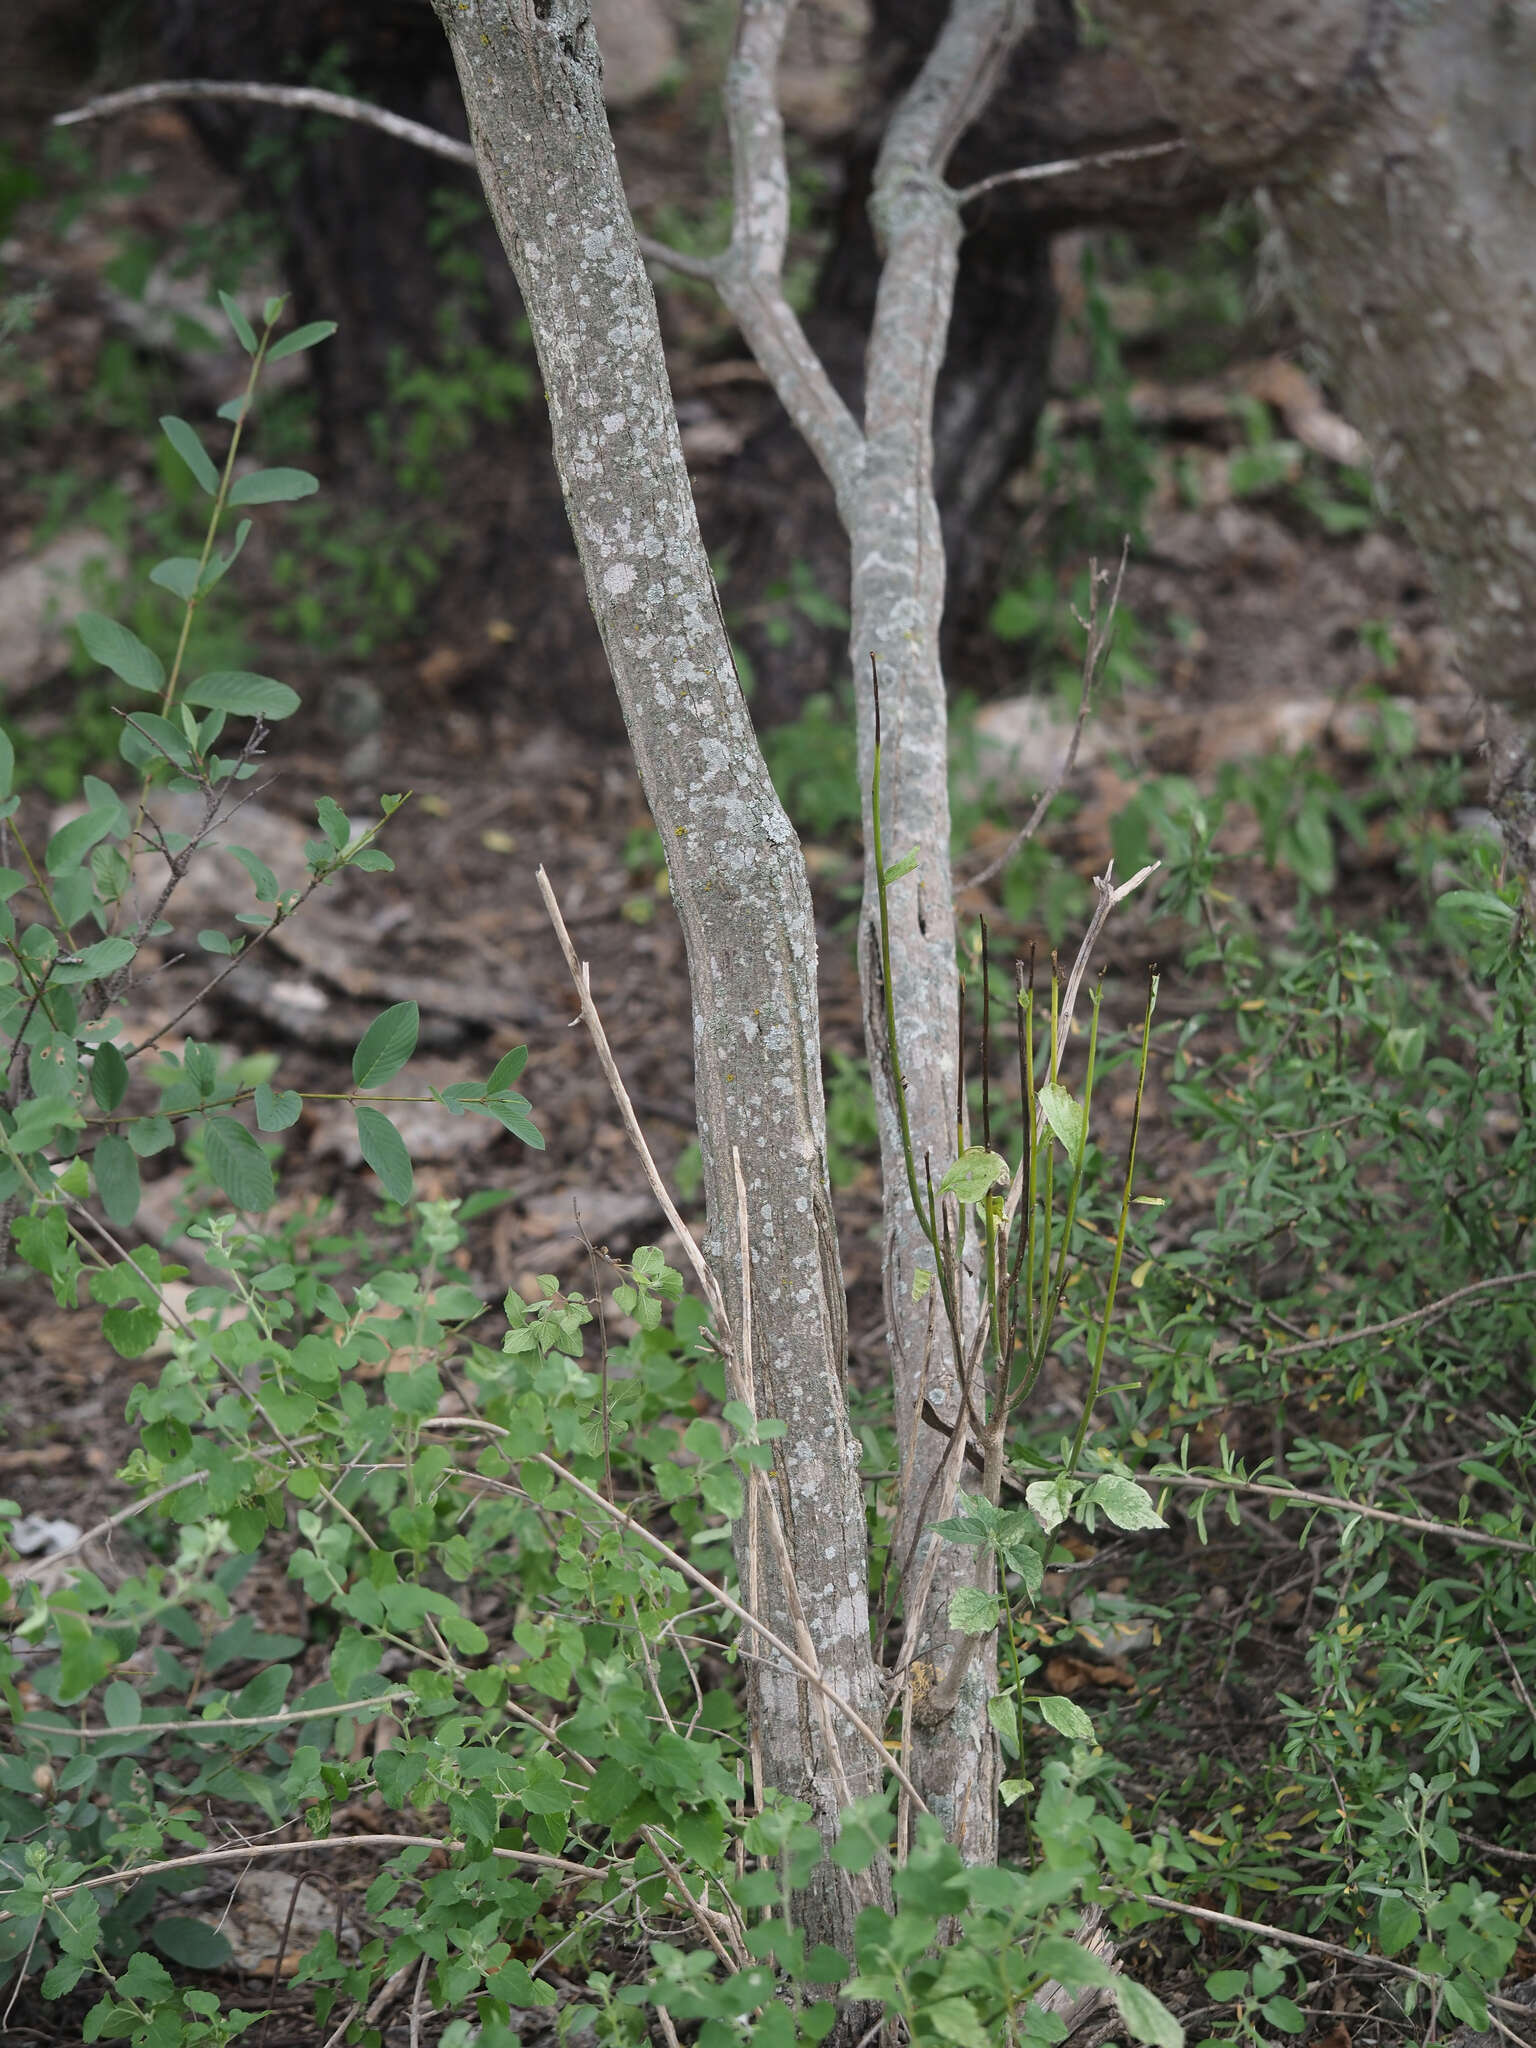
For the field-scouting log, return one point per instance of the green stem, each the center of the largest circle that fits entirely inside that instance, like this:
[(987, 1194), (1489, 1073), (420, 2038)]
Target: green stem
[(1125, 1211)]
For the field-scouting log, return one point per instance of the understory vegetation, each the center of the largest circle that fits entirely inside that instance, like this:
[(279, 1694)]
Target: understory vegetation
[(1284, 1546)]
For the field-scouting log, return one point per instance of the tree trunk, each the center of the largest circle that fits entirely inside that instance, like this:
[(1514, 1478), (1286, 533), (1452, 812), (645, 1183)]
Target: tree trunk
[(1395, 146), (532, 83), (898, 605)]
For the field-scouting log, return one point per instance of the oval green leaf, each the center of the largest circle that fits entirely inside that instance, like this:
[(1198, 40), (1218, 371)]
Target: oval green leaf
[(507, 1069), (109, 1076), (192, 452), (1128, 1505), (117, 1179), (72, 842), (386, 1045), (240, 324), (273, 487), (384, 1149), (301, 337), (1066, 1717), (974, 1174), (242, 694), (1066, 1118), (276, 1109), (238, 1163), (973, 1612), (192, 1943), (178, 574), (133, 663)]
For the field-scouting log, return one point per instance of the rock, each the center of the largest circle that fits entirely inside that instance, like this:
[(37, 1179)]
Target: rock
[(639, 46), (41, 597)]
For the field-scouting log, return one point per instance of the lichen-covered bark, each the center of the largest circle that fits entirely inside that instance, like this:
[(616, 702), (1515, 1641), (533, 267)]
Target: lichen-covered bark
[(883, 479), (1401, 173), (897, 608), (532, 84)]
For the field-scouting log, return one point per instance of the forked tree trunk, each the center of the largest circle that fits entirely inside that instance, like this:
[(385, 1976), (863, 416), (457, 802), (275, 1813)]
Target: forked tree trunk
[(1395, 145), (532, 83), (882, 476)]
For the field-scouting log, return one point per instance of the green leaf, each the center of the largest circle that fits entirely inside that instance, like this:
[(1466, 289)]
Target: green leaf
[(513, 1119), (121, 1705), (1479, 905), (1065, 1116), (1050, 1501), (899, 868), (973, 1612), (263, 881), (116, 1168), (1285, 2014), (242, 694), (240, 324), (72, 842), (1065, 1717), (1397, 1924), (178, 574), (109, 1076), (192, 452), (219, 566), (151, 1134), (301, 337), (275, 1110), (384, 1149), (334, 823), (507, 1069), (148, 738), (133, 663), (273, 487), (132, 1329), (238, 1164), (1127, 1505), (974, 1174), (1146, 2016), (192, 1943), (1226, 1985), (1000, 1713), (386, 1045)]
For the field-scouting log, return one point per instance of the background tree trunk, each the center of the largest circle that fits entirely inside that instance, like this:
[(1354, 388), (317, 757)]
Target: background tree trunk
[(1395, 146), (532, 83)]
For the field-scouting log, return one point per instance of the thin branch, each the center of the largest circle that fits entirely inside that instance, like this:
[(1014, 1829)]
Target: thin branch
[(1064, 167), (30, 1570), (308, 99), (1417, 1315), (705, 268), (215, 1727), (750, 275), (581, 975), (1299, 1497), (248, 1851), (1498, 1849), (1095, 648), (1308, 1942)]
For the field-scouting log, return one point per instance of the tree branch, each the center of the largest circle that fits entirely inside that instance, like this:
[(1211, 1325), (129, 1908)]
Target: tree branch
[(1065, 167), (309, 99), (750, 275)]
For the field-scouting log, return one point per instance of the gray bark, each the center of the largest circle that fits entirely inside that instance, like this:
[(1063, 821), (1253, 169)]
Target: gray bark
[(883, 482), (897, 608), (532, 84), (1396, 145)]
